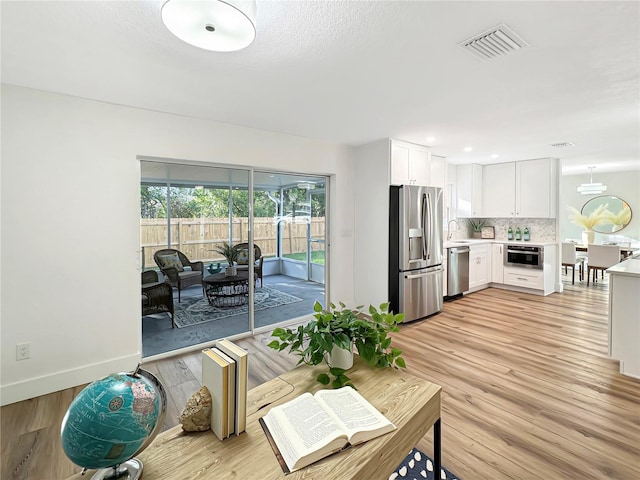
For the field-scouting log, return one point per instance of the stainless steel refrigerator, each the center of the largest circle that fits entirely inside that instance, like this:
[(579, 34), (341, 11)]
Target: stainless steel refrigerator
[(415, 251)]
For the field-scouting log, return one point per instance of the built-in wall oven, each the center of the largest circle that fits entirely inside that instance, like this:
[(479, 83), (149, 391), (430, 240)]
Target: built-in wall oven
[(524, 256)]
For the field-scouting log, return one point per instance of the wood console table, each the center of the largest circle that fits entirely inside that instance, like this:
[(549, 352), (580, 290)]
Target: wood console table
[(411, 403)]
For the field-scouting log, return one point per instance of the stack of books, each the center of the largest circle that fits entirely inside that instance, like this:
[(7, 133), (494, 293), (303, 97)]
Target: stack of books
[(225, 374)]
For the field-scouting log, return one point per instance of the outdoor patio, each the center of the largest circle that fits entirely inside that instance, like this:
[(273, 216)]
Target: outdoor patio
[(158, 337)]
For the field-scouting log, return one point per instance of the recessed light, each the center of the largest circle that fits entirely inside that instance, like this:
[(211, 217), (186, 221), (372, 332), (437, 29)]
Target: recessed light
[(467, 149), (431, 139), (494, 156)]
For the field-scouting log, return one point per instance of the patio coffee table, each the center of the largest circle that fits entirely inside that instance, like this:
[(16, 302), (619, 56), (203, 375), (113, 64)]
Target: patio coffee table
[(223, 291)]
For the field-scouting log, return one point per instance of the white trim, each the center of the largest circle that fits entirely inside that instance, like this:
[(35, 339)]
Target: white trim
[(37, 386)]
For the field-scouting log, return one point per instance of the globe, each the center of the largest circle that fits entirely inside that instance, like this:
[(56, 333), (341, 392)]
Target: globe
[(112, 420)]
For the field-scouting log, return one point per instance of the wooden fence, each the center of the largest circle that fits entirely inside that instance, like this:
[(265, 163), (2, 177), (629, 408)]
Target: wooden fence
[(197, 237)]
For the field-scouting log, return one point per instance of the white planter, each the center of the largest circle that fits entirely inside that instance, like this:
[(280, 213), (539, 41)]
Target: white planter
[(231, 271), (340, 358), (587, 237)]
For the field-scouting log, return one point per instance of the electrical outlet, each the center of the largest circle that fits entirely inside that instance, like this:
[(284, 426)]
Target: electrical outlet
[(23, 351)]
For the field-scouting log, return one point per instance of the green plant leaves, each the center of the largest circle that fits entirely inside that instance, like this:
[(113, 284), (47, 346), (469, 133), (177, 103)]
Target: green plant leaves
[(339, 327)]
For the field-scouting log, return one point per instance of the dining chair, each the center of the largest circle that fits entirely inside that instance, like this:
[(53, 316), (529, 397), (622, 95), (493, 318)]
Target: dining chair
[(570, 259), (601, 257)]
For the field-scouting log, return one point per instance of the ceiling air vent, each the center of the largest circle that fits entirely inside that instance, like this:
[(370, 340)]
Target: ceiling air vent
[(563, 145), (493, 43)]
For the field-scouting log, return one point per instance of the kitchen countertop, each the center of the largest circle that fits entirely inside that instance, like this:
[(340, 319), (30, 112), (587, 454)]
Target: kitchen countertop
[(629, 267), (477, 241)]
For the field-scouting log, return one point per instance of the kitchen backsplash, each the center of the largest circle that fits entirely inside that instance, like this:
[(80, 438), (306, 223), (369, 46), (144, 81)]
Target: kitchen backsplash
[(541, 229)]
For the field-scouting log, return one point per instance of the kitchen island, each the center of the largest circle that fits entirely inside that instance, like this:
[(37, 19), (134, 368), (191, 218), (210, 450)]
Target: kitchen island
[(624, 315)]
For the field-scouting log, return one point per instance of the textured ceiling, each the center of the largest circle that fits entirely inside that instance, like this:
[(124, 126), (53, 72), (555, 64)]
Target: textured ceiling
[(354, 72)]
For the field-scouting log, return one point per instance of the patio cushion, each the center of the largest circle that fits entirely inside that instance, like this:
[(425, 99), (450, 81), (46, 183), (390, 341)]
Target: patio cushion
[(243, 256), (189, 274), (170, 261)]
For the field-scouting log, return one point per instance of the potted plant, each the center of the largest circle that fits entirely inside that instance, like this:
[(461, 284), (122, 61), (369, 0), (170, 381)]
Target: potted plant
[(476, 227), (587, 222), (333, 332), (230, 253)]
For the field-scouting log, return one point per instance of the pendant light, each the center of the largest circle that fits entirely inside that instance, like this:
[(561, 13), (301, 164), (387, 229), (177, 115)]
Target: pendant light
[(216, 25), (591, 188)]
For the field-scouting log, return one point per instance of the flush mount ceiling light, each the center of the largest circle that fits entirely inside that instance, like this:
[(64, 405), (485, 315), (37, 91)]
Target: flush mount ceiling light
[(591, 188), (220, 26)]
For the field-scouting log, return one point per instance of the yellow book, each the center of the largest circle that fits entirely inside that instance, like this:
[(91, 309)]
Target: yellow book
[(215, 376), (241, 358), (231, 391)]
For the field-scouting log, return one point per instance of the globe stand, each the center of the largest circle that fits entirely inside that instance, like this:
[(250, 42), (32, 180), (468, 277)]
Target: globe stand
[(129, 470)]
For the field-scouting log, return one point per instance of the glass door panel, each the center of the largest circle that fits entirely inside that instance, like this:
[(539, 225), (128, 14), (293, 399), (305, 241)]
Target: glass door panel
[(204, 207), (282, 227)]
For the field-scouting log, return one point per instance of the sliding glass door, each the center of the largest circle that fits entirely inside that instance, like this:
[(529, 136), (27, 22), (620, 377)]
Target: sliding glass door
[(196, 212)]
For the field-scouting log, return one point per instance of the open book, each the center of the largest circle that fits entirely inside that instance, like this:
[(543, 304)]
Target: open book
[(311, 427)]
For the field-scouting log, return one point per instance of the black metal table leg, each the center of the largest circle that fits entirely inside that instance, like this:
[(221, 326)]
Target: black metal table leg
[(437, 449)]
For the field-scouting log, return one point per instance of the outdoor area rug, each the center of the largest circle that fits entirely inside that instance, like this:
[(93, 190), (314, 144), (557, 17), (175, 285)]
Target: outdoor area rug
[(196, 310), (418, 466)]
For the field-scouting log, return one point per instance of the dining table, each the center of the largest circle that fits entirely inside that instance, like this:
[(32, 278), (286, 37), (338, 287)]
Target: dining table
[(625, 252)]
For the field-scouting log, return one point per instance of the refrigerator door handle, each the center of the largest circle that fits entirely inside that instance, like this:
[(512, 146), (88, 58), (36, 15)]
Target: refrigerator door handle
[(423, 212), (422, 275), (430, 220)]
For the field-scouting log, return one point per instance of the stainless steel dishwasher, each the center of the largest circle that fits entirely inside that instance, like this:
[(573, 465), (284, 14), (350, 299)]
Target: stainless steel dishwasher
[(457, 270)]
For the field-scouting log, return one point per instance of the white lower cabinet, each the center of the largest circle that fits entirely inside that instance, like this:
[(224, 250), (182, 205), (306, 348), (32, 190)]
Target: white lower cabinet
[(497, 263), (479, 266), (524, 277)]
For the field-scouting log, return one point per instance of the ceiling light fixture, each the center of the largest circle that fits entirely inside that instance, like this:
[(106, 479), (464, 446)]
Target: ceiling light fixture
[(220, 26), (467, 149), (591, 188), (494, 156)]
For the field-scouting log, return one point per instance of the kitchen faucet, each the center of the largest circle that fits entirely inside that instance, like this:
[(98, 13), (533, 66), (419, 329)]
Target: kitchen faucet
[(449, 228)]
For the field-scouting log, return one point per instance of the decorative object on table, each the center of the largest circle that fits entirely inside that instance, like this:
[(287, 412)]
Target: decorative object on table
[(418, 465), (343, 328), (213, 270), (111, 421), (488, 232), (230, 253), (286, 425), (241, 357), (195, 310), (526, 235), (215, 376), (596, 217), (172, 263), (476, 226), (196, 415), (616, 217)]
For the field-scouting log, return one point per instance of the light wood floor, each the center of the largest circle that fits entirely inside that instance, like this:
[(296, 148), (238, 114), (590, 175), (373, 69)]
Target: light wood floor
[(527, 391)]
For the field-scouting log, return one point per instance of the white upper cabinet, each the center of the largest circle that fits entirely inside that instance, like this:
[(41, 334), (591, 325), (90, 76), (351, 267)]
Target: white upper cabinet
[(499, 190), (469, 190), (536, 188), (525, 189), (438, 174), (410, 164)]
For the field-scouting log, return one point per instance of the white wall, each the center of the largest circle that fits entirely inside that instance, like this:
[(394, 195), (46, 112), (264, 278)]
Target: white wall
[(70, 193), (624, 185), (372, 224)]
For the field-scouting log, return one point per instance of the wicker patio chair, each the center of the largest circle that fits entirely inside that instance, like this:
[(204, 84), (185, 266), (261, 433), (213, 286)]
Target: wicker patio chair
[(157, 297), (243, 259), (172, 264)]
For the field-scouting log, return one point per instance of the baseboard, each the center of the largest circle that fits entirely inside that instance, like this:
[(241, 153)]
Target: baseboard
[(35, 387)]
